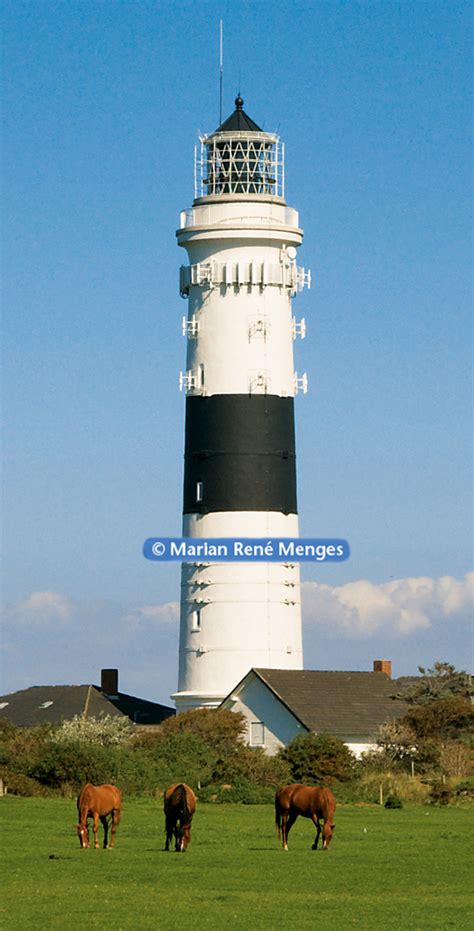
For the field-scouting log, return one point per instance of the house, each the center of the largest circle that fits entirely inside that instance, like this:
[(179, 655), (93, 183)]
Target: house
[(279, 704), (52, 704)]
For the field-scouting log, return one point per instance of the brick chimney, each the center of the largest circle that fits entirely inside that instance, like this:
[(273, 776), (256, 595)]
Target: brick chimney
[(383, 665), (109, 682)]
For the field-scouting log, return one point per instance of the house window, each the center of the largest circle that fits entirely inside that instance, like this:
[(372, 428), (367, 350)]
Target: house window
[(196, 620), (199, 490), (257, 734)]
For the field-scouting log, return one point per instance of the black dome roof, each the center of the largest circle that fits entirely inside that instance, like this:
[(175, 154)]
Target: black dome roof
[(238, 121)]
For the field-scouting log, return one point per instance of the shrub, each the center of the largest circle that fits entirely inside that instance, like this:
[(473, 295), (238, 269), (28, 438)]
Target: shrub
[(219, 729), (252, 765), (465, 789), (186, 758), (21, 746), (107, 730), (245, 792), (393, 801), (19, 784), (319, 758), (441, 794), (75, 764)]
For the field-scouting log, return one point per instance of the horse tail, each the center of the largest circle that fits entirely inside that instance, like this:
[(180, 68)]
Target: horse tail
[(117, 809), (181, 797), (277, 814)]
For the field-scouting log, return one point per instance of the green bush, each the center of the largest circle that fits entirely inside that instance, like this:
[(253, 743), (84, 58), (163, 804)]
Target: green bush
[(64, 766), (251, 765), (75, 764), (21, 747), (319, 759), (244, 792), (393, 801), (220, 730), (346, 793), (465, 788), (441, 794), (19, 784)]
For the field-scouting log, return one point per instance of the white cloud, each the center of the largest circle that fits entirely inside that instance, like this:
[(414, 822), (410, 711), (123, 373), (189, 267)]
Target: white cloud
[(164, 614), (43, 608), (402, 606)]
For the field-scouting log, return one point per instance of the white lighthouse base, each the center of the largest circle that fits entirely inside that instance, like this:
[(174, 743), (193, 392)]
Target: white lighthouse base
[(235, 616)]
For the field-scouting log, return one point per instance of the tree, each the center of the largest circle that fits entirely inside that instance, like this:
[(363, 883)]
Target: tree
[(219, 729), (440, 714), (444, 718), (399, 748), (456, 759), (319, 758), (440, 681), (397, 742)]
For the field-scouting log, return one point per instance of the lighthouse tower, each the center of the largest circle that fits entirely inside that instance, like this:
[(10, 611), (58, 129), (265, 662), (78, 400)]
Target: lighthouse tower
[(240, 384)]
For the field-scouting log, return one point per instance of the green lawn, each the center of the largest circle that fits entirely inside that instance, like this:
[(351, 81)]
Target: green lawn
[(385, 869)]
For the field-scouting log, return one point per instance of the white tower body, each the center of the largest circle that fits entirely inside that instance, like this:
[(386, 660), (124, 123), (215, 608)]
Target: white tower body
[(240, 480)]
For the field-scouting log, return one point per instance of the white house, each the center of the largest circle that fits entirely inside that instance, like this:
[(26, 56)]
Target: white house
[(279, 704)]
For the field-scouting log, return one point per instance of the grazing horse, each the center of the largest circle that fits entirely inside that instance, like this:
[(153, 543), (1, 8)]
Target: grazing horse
[(98, 802), (180, 805), (310, 802)]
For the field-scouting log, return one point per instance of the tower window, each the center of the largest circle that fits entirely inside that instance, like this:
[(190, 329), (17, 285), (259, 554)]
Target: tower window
[(201, 376), (196, 620), (199, 491)]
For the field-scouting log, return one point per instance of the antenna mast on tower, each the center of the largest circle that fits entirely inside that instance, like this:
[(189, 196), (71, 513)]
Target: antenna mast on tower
[(221, 72)]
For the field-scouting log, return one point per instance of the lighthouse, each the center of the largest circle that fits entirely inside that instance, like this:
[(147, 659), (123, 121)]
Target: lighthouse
[(240, 383)]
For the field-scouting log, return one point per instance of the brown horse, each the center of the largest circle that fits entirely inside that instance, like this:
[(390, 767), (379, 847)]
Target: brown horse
[(98, 802), (180, 805), (310, 802)]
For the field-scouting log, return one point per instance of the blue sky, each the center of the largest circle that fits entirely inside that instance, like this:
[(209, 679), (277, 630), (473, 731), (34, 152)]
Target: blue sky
[(103, 105)]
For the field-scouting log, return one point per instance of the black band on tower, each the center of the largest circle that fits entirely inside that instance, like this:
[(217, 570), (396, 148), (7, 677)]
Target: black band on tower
[(239, 454)]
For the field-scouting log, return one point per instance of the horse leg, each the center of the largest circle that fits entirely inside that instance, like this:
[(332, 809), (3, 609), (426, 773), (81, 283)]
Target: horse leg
[(96, 830), (315, 821), (114, 822), (169, 832), (105, 825), (177, 836), (289, 820)]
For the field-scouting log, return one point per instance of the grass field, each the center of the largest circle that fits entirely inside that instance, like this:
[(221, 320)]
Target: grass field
[(399, 869)]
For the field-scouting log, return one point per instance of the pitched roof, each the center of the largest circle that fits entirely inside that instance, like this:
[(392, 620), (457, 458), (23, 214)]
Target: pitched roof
[(51, 704), (345, 704), (238, 121)]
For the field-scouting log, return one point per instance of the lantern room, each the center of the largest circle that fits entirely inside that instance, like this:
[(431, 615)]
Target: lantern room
[(239, 159)]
